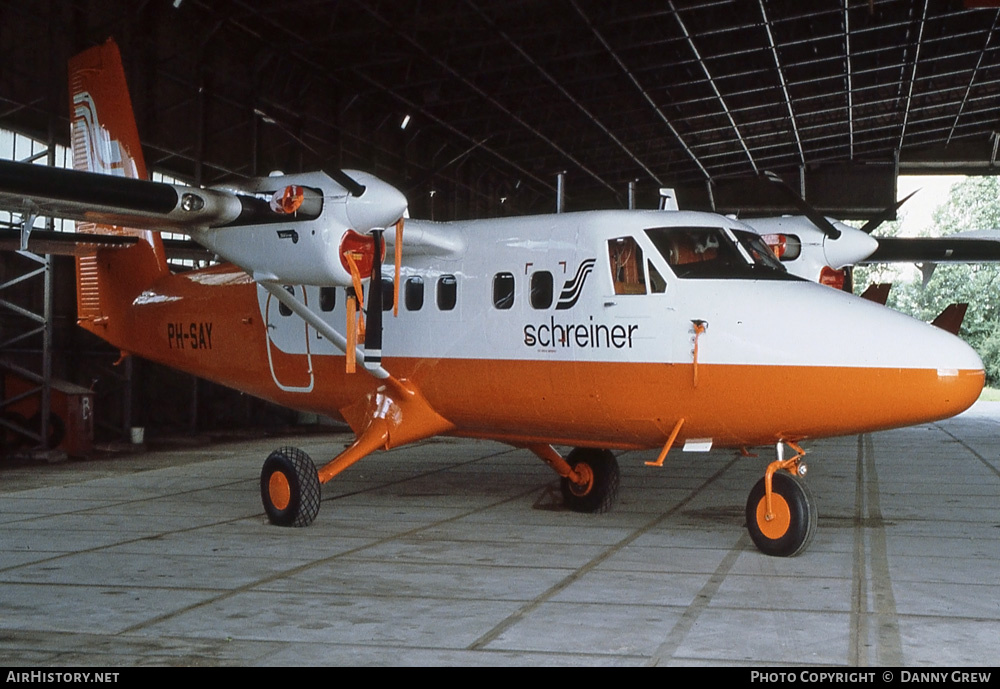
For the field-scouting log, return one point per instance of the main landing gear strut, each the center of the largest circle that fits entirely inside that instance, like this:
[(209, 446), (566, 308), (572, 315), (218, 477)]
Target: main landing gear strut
[(290, 484), (781, 514), (590, 477)]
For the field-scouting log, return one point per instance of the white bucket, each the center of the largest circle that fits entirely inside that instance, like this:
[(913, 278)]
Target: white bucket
[(138, 435)]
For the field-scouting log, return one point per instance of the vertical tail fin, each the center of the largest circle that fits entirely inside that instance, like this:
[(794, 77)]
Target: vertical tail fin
[(105, 140)]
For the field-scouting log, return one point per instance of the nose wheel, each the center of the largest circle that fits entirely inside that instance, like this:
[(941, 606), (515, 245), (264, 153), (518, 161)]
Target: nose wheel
[(789, 526), (289, 487)]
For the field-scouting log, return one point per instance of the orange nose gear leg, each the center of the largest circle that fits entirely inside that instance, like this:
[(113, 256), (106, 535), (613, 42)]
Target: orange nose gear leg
[(794, 466)]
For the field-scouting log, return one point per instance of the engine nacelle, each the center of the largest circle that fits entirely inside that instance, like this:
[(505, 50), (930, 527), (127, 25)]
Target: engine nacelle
[(296, 228)]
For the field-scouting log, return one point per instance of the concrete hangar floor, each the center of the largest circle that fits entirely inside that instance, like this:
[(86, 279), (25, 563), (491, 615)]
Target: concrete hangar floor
[(456, 552)]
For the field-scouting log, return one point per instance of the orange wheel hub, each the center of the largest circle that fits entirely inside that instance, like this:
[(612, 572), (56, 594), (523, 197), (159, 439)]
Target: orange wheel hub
[(586, 483), (780, 521), (279, 490)]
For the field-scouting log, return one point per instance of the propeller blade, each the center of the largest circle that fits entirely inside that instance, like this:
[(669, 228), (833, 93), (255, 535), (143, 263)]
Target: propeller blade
[(815, 217), (887, 214), (354, 188), (373, 324)]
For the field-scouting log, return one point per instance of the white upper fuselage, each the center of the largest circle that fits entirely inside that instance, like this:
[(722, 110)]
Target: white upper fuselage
[(762, 318)]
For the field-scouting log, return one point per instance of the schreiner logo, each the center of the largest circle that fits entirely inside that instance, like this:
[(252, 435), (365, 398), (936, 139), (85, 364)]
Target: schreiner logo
[(573, 288), (588, 335)]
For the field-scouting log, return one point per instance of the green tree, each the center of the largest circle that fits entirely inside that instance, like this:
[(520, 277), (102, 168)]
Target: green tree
[(973, 204)]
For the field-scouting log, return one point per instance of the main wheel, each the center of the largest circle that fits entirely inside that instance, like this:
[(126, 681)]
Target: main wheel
[(600, 491), (289, 487), (794, 522)]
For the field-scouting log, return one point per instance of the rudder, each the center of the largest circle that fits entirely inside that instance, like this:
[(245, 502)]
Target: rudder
[(105, 140)]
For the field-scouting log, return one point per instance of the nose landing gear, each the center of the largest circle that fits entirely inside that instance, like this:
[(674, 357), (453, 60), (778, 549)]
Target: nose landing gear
[(781, 514)]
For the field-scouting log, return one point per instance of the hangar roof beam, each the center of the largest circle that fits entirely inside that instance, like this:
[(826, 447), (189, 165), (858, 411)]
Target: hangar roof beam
[(714, 86), (972, 77), (784, 83), (493, 102), (555, 82), (643, 91)]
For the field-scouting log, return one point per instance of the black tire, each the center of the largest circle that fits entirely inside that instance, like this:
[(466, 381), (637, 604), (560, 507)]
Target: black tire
[(795, 516), (601, 492), (289, 487)]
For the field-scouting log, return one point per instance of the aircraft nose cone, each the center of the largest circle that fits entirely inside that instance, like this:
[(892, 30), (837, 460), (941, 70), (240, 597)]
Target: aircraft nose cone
[(960, 377), (938, 375), (894, 370)]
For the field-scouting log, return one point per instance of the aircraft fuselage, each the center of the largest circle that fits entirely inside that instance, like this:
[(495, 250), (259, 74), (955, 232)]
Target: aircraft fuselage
[(579, 329)]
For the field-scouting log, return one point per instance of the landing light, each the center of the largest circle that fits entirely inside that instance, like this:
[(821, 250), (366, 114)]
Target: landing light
[(192, 202)]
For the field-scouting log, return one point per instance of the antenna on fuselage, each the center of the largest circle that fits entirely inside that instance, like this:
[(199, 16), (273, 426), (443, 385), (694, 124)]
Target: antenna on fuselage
[(668, 199)]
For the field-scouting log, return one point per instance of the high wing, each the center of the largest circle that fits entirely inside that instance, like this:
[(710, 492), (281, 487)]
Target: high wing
[(963, 247), (254, 226), (48, 191), (824, 250)]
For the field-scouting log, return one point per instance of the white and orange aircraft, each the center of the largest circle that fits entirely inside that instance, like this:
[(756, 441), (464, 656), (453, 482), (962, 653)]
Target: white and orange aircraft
[(604, 331)]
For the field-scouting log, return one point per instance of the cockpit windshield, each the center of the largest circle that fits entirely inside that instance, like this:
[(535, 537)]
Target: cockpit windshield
[(710, 253)]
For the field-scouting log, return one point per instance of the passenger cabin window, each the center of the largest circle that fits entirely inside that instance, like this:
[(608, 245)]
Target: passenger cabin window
[(327, 298), (447, 292), (626, 266), (541, 289), (503, 291), (414, 294)]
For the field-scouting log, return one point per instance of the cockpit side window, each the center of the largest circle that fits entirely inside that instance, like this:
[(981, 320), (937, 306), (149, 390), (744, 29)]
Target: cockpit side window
[(626, 266), (657, 284), (710, 253)]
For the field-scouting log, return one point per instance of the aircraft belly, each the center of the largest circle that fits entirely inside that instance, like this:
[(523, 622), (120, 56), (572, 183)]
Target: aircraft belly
[(636, 405)]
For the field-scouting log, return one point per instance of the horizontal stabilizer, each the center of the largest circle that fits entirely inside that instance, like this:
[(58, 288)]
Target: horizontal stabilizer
[(878, 293), (64, 243), (951, 318), (964, 247)]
